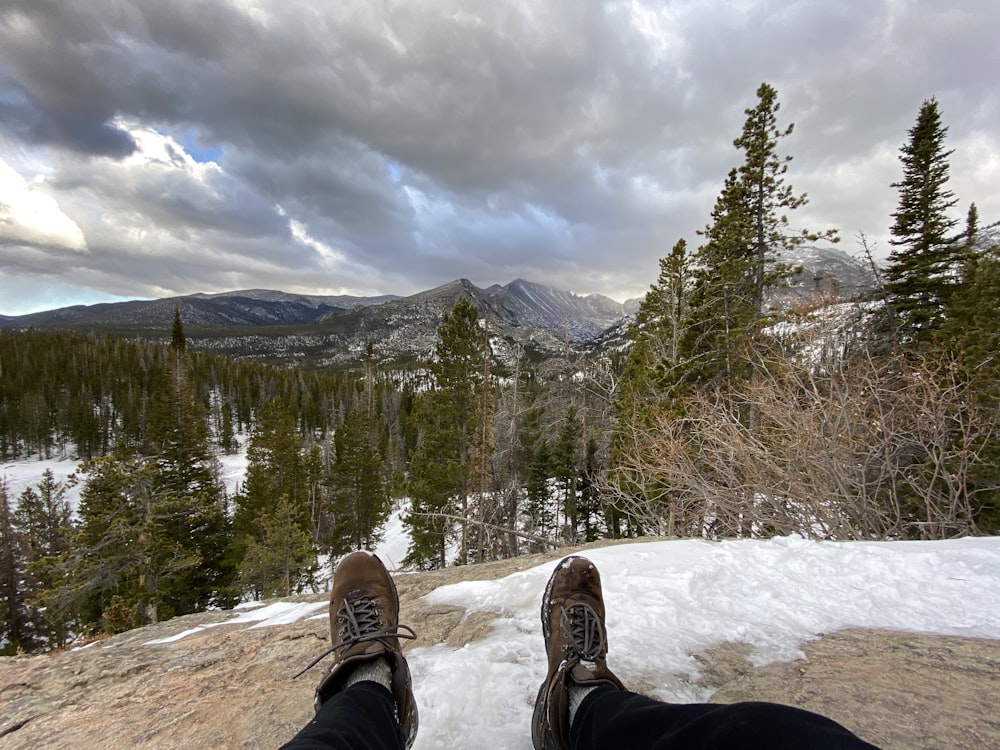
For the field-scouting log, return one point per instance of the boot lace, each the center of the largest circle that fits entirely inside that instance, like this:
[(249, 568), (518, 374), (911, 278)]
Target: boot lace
[(360, 620), (585, 631)]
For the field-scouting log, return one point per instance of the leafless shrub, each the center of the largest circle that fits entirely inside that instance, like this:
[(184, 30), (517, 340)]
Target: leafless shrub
[(847, 448)]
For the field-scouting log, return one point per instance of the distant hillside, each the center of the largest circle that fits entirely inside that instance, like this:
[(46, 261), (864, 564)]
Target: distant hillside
[(334, 331), (257, 307), (827, 271)]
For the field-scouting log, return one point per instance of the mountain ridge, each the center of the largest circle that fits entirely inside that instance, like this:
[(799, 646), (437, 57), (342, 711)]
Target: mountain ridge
[(333, 331)]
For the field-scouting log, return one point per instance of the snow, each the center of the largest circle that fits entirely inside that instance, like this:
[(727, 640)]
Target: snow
[(667, 601), (18, 475), (233, 470), (265, 616), (395, 541)]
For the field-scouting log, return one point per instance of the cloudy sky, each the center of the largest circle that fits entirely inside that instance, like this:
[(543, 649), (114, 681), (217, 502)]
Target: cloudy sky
[(158, 147)]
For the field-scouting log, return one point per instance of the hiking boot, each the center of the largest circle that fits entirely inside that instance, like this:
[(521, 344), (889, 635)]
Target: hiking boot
[(577, 644), (364, 627)]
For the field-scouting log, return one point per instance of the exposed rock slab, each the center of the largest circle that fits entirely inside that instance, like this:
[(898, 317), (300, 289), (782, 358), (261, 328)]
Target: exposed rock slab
[(897, 690)]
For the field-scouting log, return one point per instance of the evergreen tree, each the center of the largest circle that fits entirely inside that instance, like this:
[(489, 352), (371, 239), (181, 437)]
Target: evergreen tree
[(281, 559), (565, 460), (14, 630), (539, 506), (655, 335), (360, 496), (723, 309), (43, 518), (443, 465), (767, 197), (697, 325), (126, 551), (189, 496), (178, 342), (589, 502), (650, 373), (227, 435), (740, 256), (922, 269), (972, 331), (275, 469)]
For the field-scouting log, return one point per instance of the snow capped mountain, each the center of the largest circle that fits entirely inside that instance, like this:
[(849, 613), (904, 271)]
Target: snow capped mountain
[(825, 271), (317, 330)]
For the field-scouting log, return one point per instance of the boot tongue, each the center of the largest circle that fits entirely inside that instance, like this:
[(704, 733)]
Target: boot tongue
[(580, 674)]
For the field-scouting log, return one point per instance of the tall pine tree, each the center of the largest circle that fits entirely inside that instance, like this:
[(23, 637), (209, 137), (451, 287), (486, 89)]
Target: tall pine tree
[(922, 270), (276, 470), (189, 496), (14, 629), (741, 255), (43, 518), (360, 497), (443, 466)]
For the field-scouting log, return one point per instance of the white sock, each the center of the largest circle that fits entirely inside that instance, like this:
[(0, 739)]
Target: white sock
[(373, 671), (576, 695)]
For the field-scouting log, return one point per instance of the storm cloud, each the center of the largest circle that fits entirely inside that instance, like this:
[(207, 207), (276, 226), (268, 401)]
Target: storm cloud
[(153, 148)]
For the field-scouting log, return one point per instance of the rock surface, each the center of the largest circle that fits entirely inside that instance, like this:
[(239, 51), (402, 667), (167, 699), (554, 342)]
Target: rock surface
[(231, 686)]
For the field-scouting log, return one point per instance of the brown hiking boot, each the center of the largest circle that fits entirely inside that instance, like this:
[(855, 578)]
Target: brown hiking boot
[(364, 626), (577, 645)]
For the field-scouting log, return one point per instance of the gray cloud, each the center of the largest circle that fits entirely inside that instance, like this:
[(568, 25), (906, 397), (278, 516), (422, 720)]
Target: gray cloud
[(387, 149)]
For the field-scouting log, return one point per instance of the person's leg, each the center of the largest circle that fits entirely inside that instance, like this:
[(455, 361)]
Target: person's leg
[(611, 718), (582, 705), (365, 700), (576, 644), (362, 717)]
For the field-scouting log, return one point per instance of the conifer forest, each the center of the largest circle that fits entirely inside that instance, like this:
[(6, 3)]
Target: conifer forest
[(721, 415)]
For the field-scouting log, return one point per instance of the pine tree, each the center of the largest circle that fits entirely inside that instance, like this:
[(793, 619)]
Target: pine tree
[(723, 309), (539, 506), (767, 197), (189, 497), (589, 502), (14, 629), (43, 518), (126, 549), (360, 497), (650, 372), (280, 560), (275, 468), (922, 270), (565, 463), (227, 435), (443, 465), (972, 331), (655, 335), (741, 254), (178, 342)]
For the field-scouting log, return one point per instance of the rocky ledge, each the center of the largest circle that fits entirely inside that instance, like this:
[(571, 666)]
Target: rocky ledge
[(226, 685)]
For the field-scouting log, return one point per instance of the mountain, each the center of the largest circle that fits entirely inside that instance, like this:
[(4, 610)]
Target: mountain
[(253, 307), (334, 331), (825, 271)]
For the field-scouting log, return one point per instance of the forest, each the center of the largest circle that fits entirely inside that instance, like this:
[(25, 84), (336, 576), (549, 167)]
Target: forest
[(725, 416)]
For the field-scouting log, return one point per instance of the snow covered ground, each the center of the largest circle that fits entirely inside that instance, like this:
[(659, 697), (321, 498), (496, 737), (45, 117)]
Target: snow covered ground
[(669, 600), (27, 473), (17, 475)]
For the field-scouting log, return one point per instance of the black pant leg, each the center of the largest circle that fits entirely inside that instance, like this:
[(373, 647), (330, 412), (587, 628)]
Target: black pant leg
[(619, 720), (362, 717)]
